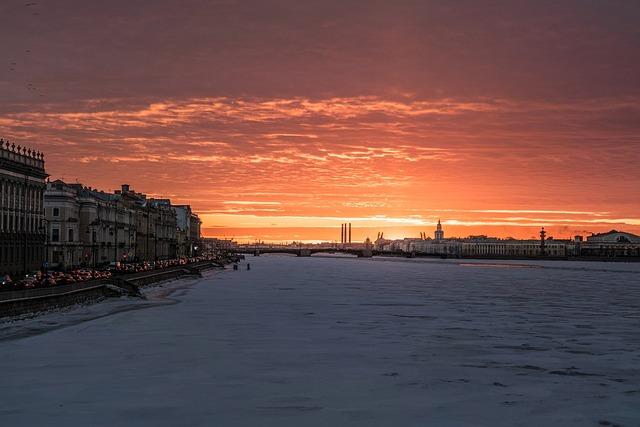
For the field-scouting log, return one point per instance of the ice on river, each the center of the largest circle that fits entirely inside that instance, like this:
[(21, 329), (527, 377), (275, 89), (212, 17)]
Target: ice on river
[(332, 341)]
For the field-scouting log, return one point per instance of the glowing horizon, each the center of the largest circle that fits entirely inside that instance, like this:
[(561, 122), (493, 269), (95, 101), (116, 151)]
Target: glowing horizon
[(284, 122)]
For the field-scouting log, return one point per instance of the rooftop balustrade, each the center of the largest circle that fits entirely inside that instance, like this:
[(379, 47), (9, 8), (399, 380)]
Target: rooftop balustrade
[(23, 155)]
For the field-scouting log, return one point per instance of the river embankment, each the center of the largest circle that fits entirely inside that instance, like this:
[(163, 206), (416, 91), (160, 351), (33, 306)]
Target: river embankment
[(34, 301)]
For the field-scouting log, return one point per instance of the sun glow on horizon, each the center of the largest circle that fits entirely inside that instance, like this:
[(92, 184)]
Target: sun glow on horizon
[(277, 163)]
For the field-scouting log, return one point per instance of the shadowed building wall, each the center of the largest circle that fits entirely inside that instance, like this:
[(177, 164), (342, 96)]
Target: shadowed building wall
[(22, 184)]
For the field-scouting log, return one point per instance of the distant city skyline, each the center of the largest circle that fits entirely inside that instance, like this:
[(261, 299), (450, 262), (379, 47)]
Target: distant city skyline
[(278, 121)]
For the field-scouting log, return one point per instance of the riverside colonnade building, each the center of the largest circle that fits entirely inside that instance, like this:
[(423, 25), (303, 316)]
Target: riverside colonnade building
[(22, 231)]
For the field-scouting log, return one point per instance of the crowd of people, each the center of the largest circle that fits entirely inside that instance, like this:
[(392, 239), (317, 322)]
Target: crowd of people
[(48, 279)]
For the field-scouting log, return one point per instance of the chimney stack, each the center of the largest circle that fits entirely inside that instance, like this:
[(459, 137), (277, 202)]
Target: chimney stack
[(349, 232)]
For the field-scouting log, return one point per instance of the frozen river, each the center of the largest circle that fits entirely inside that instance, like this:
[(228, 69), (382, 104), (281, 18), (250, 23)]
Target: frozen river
[(332, 341)]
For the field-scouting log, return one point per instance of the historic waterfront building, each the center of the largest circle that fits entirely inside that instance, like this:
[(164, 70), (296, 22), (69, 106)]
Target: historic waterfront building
[(611, 245), (22, 184), (188, 231), (62, 211), (195, 234), (614, 236), (91, 227), (183, 230), (87, 227), (156, 226), (484, 246), (165, 227)]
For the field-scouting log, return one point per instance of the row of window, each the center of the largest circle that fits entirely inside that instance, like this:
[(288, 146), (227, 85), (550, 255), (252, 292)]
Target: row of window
[(55, 235), (12, 196), (13, 255), (12, 204), (12, 222), (488, 249)]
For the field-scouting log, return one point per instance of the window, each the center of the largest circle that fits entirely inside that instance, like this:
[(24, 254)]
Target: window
[(71, 234), (55, 235), (56, 212)]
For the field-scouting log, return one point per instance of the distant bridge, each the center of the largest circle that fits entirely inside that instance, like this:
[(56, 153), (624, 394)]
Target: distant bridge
[(257, 250)]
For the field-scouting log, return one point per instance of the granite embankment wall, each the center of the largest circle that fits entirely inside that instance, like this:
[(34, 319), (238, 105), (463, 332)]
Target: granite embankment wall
[(26, 301)]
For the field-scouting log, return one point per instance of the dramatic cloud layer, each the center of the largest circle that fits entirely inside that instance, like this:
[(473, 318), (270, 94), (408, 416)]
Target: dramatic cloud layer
[(274, 117)]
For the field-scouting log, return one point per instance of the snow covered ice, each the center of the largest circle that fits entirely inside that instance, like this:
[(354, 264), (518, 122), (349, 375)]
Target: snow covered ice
[(332, 341)]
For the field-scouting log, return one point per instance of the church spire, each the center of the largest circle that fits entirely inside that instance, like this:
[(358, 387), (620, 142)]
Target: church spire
[(439, 234)]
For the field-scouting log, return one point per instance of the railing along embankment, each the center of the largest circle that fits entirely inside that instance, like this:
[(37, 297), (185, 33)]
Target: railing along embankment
[(15, 303)]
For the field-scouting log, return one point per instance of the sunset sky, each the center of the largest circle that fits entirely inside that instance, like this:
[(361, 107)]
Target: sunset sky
[(279, 120)]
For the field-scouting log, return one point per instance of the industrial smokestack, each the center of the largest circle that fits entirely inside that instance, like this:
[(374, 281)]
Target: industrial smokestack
[(349, 232), (341, 233)]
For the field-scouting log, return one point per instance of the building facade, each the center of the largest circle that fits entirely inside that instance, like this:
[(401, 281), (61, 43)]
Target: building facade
[(195, 234), (62, 211), (156, 226), (22, 231), (188, 231), (614, 244), (90, 227), (87, 227), (613, 236), (165, 228), (108, 226)]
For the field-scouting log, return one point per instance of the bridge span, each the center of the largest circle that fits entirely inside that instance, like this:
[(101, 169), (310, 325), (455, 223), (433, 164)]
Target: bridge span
[(305, 251)]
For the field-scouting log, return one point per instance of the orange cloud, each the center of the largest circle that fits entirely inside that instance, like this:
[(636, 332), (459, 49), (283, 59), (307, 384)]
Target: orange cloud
[(388, 163)]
